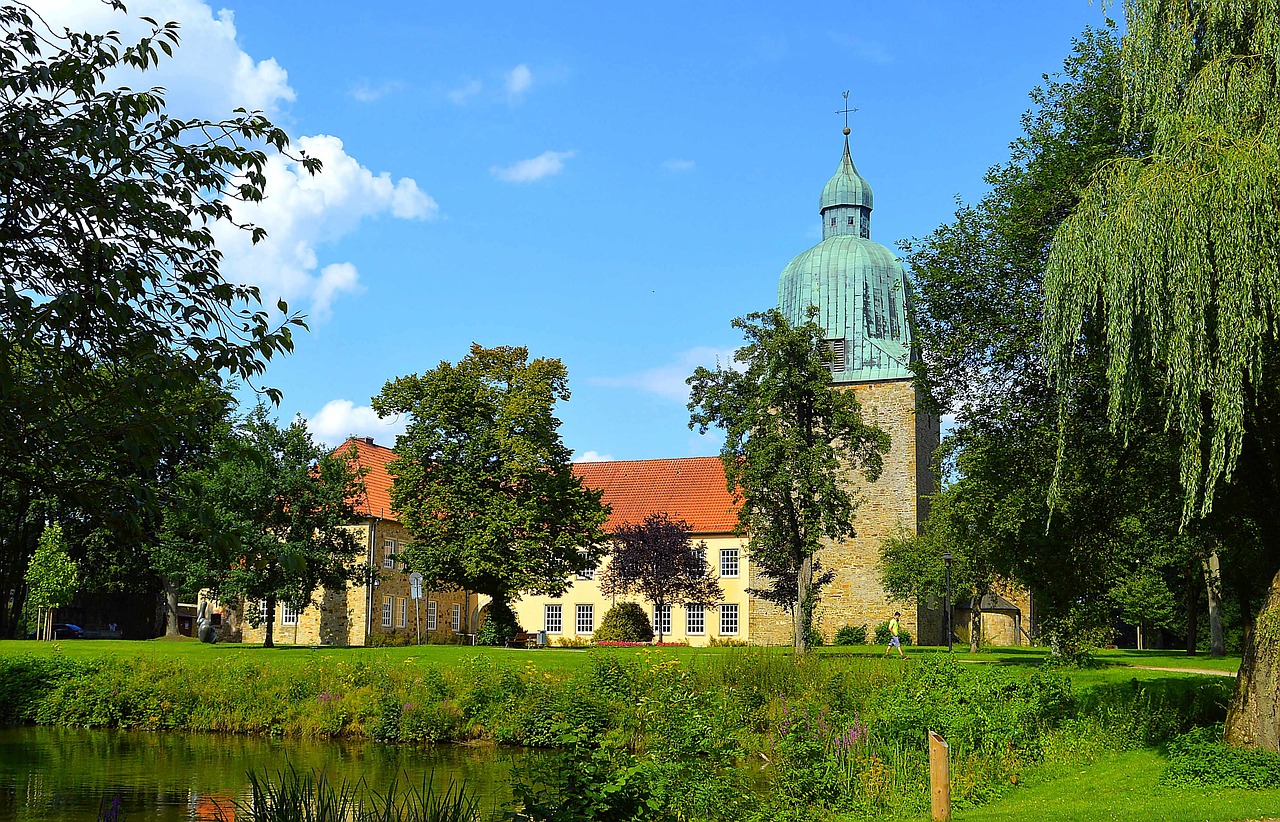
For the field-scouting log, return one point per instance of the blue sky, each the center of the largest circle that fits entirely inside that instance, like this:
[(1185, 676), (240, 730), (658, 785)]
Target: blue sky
[(609, 184)]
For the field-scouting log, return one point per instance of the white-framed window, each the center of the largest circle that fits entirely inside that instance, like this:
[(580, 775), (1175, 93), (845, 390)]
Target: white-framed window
[(404, 613), (695, 619), (262, 612), (728, 562), (288, 614), (553, 621), (386, 611), (455, 617), (590, 573), (662, 620), (728, 619), (701, 551), (432, 607), (586, 619), (388, 553)]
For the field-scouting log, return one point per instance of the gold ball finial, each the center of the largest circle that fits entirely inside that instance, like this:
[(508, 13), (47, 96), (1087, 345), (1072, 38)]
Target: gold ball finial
[(847, 132)]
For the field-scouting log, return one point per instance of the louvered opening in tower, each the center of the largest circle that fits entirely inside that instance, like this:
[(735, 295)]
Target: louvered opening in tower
[(836, 355)]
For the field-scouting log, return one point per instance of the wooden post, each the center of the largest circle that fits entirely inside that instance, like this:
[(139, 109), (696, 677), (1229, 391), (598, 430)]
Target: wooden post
[(940, 777)]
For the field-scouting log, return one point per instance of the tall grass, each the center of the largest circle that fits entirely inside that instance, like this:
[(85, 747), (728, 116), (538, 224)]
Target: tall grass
[(313, 797)]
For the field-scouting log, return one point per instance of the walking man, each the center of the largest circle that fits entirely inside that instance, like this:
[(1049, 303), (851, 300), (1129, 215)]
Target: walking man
[(894, 640)]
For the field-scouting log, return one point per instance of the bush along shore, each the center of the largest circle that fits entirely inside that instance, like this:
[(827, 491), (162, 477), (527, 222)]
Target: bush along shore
[(740, 735)]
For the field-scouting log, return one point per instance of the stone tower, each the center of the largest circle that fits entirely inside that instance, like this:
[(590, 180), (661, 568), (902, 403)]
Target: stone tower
[(861, 292)]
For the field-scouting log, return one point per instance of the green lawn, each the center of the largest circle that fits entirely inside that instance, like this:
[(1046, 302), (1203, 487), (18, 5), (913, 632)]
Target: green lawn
[(1116, 665), (1124, 787)]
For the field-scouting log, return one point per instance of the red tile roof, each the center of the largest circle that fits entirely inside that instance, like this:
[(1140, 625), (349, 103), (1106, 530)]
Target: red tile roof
[(377, 481), (689, 488)]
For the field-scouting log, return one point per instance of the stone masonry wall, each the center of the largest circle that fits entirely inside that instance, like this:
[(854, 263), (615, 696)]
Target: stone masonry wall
[(889, 506)]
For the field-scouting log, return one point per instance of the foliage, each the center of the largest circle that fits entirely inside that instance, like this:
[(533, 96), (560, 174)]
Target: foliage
[(883, 634), (500, 624), (51, 577), (1145, 601), (482, 480), (624, 622), (280, 505), (791, 440), (657, 560), (588, 781), (113, 300), (1200, 759), (851, 635)]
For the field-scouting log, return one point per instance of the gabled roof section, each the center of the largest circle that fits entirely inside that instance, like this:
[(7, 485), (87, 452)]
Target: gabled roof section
[(377, 480), (690, 489)]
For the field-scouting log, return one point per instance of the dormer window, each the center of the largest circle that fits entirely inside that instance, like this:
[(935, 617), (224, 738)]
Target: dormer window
[(850, 220), (837, 355), (833, 222)]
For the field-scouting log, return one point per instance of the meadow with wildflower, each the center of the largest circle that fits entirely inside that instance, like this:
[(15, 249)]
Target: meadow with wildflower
[(645, 732)]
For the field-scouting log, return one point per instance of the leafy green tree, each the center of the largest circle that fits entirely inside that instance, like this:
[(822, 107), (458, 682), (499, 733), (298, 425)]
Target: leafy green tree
[(278, 508), (1173, 256), (791, 440), (657, 560), (51, 577), (482, 481), (112, 296), (1145, 601)]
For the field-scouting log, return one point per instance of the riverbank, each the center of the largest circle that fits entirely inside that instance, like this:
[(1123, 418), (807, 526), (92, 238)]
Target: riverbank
[(693, 731)]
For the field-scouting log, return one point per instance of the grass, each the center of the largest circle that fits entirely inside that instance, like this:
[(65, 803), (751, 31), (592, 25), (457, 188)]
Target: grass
[(1115, 665), (1125, 787)]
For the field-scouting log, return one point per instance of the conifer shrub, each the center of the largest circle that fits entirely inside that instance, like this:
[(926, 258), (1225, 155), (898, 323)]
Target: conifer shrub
[(624, 622)]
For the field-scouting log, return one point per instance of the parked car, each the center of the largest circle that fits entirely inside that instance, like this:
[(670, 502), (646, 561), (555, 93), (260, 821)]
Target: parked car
[(63, 630)]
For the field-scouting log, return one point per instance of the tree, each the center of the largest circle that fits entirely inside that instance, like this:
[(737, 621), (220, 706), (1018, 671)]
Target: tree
[(1173, 256), (482, 481), (112, 296), (791, 442), (657, 560), (279, 509), (1145, 601), (51, 577)]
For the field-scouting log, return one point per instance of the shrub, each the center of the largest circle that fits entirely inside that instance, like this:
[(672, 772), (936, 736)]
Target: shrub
[(624, 622), (849, 635), (499, 624), (1199, 759), (882, 634)]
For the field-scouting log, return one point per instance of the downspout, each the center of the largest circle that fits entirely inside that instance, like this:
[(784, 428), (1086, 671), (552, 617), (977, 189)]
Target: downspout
[(368, 583)]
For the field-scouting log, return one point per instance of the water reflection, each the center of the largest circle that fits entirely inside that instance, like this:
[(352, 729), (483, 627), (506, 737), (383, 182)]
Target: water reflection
[(59, 774)]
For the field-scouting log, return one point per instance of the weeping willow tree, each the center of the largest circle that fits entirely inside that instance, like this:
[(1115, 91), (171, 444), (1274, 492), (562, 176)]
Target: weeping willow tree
[(1174, 258)]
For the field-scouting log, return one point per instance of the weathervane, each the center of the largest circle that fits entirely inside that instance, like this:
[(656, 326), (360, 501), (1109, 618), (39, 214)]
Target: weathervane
[(846, 111)]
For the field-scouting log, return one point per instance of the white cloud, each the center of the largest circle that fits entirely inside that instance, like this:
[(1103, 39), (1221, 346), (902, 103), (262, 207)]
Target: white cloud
[(518, 81), (592, 456), (210, 76), (302, 212), (668, 381), (546, 164), (679, 165), (339, 419), (461, 95), (363, 91)]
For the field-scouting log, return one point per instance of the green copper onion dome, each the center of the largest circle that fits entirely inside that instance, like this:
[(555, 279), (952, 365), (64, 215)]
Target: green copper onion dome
[(858, 285)]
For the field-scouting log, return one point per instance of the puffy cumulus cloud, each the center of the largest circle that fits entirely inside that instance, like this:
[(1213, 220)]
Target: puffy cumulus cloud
[(592, 456), (209, 74), (301, 212), (518, 81), (339, 419), (546, 164), (668, 381)]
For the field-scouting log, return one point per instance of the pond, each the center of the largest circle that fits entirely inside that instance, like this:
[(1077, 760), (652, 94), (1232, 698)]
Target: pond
[(59, 774)]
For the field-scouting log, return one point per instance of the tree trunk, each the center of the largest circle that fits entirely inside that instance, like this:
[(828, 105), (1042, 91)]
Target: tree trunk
[(1253, 717), (1141, 645), (801, 613), (975, 625), (1193, 610), (170, 608), (267, 641), (1213, 581)]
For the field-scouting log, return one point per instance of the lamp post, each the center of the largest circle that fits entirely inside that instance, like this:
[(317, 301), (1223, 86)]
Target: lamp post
[(946, 561)]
